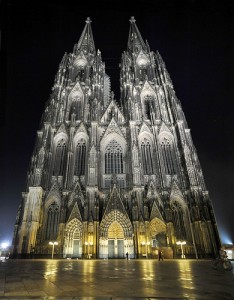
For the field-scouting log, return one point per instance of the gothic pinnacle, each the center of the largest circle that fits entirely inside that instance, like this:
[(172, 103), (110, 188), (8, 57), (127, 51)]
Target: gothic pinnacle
[(132, 20)]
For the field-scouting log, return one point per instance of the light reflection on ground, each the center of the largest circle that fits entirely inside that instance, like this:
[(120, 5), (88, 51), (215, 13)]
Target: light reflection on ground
[(190, 279)]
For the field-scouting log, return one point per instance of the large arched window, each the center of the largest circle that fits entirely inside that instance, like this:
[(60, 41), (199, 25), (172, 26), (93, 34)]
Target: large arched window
[(80, 158), (146, 154), (113, 158), (52, 221), (60, 155), (167, 154)]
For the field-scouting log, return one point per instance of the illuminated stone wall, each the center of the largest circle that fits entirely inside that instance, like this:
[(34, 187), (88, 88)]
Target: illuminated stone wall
[(114, 176)]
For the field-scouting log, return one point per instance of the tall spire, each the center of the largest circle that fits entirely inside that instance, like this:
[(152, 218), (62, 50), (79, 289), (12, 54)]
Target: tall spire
[(86, 41), (135, 41)]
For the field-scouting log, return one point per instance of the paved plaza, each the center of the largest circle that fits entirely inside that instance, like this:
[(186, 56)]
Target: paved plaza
[(114, 279)]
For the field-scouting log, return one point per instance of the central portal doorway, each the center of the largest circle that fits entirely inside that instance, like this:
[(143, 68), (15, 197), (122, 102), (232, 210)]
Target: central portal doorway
[(115, 241), (115, 248)]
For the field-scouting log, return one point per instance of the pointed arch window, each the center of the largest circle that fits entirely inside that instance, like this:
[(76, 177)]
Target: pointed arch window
[(167, 154), (147, 157), (60, 155), (149, 102), (80, 158), (113, 158), (52, 221)]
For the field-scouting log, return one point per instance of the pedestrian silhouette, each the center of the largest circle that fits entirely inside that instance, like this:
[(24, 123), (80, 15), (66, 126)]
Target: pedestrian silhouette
[(160, 255), (127, 255)]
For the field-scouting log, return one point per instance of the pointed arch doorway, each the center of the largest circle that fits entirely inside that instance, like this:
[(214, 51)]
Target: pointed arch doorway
[(73, 239), (116, 236), (115, 240)]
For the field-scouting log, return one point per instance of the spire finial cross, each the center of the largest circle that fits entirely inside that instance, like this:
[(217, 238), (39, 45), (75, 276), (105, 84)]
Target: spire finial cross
[(88, 21), (132, 20)]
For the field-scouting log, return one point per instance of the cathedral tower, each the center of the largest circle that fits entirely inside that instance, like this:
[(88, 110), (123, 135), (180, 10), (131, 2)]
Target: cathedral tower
[(106, 179)]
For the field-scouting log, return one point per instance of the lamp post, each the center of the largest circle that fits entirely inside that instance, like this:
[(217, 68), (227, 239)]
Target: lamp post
[(181, 245), (53, 244)]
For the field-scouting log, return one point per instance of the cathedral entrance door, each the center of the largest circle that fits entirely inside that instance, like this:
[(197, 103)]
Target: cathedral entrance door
[(115, 248), (120, 247), (111, 248), (115, 240), (76, 247)]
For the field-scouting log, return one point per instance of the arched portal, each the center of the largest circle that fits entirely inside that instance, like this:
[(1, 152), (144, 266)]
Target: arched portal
[(116, 236), (115, 241), (158, 233), (73, 239)]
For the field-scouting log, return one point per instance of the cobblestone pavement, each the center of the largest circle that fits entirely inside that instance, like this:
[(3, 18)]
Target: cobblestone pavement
[(114, 280)]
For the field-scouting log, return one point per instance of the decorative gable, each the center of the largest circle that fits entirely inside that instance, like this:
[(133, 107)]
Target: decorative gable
[(81, 129), (114, 202), (175, 191), (147, 90), (164, 129), (144, 129), (76, 92), (75, 213), (112, 111), (76, 195), (62, 129), (155, 213), (113, 128), (153, 194)]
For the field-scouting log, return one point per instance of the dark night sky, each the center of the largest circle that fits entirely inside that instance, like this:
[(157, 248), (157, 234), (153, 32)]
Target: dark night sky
[(196, 41)]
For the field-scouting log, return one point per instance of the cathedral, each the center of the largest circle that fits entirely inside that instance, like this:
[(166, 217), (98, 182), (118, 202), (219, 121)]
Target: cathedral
[(114, 177)]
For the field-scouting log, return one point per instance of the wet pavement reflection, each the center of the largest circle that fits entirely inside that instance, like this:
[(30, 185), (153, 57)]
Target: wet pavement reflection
[(114, 279)]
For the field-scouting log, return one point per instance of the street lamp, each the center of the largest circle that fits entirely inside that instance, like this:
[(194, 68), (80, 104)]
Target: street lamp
[(53, 244), (181, 245)]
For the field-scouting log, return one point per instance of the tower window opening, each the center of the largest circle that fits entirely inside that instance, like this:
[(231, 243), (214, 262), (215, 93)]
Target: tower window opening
[(60, 154), (167, 157), (147, 158), (80, 159)]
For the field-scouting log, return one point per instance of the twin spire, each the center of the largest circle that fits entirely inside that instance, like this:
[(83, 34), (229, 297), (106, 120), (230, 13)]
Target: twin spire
[(86, 42), (135, 41)]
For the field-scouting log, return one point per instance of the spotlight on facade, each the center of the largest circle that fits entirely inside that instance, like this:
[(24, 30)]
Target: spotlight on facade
[(181, 245), (53, 244)]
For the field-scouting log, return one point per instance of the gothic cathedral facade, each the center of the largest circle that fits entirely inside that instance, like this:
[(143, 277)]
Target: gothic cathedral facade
[(112, 177)]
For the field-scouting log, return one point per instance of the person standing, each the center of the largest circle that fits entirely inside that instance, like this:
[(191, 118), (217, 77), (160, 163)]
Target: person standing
[(160, 255)]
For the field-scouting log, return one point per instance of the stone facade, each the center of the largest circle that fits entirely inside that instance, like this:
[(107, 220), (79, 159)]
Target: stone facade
[(112, 177)]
